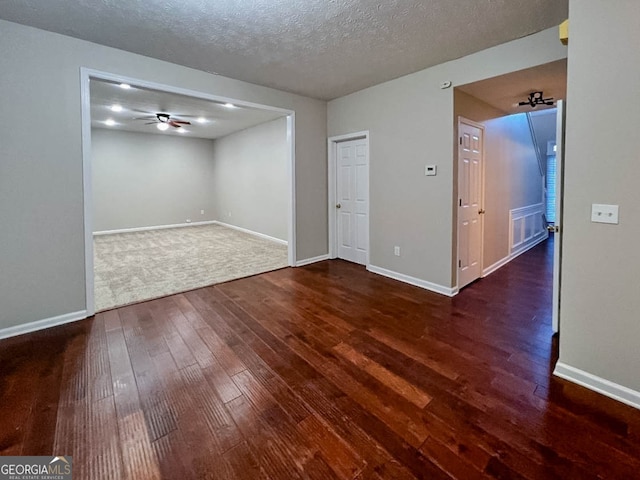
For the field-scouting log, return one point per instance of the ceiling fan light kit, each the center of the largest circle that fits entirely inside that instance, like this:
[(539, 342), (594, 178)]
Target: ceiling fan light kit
[(163, 121), (537, 98)]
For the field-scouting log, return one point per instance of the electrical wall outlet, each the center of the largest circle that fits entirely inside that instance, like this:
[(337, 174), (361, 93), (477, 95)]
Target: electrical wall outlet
[(396, 251), (188, 220), (201, 212)]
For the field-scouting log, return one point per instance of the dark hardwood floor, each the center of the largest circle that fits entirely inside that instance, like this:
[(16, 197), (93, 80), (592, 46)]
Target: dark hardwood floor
[(320, 372)]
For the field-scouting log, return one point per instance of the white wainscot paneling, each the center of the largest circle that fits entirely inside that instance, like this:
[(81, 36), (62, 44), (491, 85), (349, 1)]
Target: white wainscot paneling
[(526, 227)]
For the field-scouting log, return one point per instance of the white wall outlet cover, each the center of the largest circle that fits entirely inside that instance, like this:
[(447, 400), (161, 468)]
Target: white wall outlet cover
[(601, 213), (430, 170), (445, 84)]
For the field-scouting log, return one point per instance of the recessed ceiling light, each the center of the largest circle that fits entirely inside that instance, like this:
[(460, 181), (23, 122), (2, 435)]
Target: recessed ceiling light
[(162, 126), (116, 108), (110, 122), (229, 105), (125, 86), (202, 120)]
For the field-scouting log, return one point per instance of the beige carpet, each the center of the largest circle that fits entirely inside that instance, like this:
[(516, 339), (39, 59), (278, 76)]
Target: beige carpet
[(131, 267)]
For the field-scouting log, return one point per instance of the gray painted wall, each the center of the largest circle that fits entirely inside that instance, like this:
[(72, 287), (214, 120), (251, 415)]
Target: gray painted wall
[(411, 120), (250, 186), (512, 180), (41, 195), (144, 180), (600, 323)]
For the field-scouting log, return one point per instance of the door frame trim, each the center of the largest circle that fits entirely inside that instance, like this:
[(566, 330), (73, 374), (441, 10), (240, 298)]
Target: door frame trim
[(87, 179), (465, 120), (332, 153), (556, 300)]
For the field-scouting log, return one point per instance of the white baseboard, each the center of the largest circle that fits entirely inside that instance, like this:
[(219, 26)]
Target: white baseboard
[(251, 232), (42, 324), (501, 263), (433, 287), (308, 261), (155, 227), (191, 224), (598, 384)]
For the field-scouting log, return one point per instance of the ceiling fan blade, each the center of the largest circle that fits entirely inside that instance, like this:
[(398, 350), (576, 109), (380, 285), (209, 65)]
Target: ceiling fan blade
[(151, 123), (182, 122), (522, 104)]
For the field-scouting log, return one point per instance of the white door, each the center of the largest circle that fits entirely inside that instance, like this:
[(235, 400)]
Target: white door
[(352, 200), (470, 195), (557, 238)]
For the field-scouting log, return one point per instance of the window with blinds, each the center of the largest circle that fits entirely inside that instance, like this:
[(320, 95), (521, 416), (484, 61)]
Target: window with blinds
[(551, 189)]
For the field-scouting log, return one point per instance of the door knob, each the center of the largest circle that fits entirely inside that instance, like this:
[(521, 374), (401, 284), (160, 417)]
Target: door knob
[(338, 205), (553, 228), (480, 212)]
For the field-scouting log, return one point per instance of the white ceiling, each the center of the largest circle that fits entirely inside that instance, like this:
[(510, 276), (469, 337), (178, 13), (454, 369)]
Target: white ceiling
[(319, 48), (504, 92), (139, 102)]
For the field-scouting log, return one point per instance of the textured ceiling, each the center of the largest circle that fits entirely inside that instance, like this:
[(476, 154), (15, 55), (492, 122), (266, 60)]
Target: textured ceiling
[(504, 92), (140, 102), (319, 48)]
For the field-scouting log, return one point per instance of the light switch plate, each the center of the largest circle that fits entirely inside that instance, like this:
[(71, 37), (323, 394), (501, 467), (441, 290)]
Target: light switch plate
[(430, 170), (604, 213)]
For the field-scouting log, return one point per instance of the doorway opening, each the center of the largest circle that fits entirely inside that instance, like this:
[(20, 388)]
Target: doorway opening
[(518, 180), (164, 157)]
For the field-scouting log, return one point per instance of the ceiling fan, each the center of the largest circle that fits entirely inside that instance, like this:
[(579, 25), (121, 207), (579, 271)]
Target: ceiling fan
[(163, 119), (535, 99)]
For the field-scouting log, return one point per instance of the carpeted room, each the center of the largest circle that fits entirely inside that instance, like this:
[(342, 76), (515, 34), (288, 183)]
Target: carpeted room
[(187, 192)]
